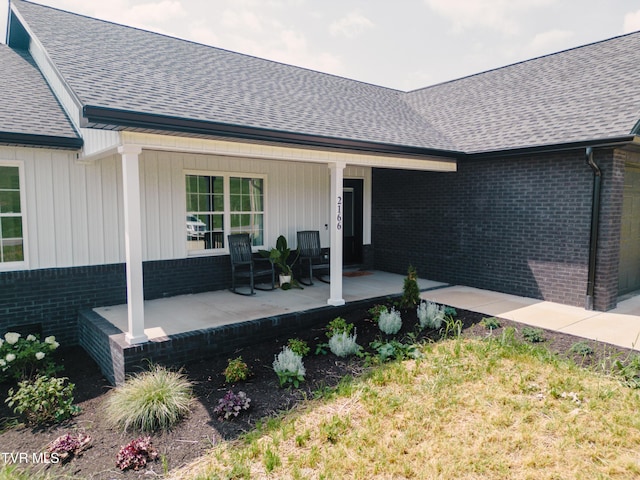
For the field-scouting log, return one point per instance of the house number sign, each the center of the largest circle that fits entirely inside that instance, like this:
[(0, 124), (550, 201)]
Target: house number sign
[(339, 214)]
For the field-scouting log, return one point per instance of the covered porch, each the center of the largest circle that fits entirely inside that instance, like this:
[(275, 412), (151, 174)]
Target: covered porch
[(185, 328)]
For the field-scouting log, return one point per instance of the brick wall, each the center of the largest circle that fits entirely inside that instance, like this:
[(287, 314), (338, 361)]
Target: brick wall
[(517, 225), (48, 300)]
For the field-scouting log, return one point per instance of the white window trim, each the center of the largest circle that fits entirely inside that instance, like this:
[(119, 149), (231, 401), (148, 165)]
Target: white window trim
[(227, 203), (23, 264)]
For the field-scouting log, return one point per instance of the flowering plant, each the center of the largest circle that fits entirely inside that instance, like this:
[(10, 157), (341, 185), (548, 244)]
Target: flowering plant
[(24, 357), (136, 454)]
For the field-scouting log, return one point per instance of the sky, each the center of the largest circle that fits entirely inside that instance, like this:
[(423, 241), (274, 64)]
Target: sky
[(402, 44)]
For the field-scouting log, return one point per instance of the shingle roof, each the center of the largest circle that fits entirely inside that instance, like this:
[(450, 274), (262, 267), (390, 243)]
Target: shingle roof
[(578, 95), (30, 113), (586, 93), (114, 66)]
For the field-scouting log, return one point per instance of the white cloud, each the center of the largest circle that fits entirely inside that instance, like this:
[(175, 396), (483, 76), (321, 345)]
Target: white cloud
[(632, 22), (500, 15), (550, 41), (351, 25)]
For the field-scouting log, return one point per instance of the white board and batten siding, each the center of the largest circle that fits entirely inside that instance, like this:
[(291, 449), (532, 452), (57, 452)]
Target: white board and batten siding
[(74, 211)]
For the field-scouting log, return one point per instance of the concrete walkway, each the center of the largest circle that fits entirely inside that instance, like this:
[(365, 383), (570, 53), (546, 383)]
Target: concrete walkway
[(619, 327)]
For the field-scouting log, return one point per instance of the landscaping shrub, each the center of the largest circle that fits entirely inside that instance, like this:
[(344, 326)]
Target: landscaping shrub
[(410, 291), (342, 344), (581, 348), (231, 405), (151, 400), (289, 367), (22, 358), (44, 400), (236, 371), (136, 454), (299, 346), (390, 322), (532, 335), (338, 325), (69, 445), (490, 323), (376, 310), (430, 315)]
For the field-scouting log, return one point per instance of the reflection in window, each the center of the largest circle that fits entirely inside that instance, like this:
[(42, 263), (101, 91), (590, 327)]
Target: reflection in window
[(11, 236), (218, 205)]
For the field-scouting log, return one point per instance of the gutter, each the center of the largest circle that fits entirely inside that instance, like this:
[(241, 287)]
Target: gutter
[(103, 117), (595, 224), (68, 143)]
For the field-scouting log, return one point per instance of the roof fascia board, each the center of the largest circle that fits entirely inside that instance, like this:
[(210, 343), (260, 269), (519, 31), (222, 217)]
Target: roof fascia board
[(67, 98), (515, 152), (121, 118), (40, 141)]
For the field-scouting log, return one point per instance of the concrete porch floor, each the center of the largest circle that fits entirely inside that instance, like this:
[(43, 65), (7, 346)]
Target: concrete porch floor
[(170, 316), (185, 313)]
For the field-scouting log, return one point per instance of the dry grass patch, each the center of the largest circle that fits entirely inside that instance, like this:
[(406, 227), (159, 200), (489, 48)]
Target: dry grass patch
[(470, 409)]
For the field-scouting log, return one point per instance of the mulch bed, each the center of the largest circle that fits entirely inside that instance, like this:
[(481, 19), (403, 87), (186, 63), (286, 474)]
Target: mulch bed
[(202, 429)]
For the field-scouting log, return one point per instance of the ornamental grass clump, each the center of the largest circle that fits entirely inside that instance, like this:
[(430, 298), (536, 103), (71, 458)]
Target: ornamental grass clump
[(150, 401), (289, 367), (430, 315), (342, 344), (390, 322)]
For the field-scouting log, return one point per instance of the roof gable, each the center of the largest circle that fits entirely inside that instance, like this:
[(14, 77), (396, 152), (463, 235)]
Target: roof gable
[(30, 114), (123, 68)]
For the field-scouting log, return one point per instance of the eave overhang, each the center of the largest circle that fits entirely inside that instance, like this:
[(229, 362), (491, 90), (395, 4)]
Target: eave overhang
[(42, 141), (115, 119)]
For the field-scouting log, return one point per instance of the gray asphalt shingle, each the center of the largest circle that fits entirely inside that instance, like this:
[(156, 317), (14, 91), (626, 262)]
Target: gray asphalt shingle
[(119, 67), (28, 105), (581, 94)]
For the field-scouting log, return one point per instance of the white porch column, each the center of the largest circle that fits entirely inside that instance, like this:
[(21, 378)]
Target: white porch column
[(337, 215), (133, 242)]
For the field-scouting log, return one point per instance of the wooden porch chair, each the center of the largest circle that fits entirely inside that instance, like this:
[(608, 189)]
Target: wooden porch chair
[(311, 254), (245, 266)]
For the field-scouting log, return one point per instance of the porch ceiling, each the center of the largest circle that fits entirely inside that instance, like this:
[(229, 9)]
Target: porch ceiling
[(268, 151)]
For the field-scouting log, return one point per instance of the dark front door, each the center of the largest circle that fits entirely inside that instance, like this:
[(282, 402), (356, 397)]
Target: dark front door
[(352, 223)]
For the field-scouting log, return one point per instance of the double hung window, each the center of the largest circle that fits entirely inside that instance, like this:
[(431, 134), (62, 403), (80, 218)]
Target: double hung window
[(222, 204), (11, 216)]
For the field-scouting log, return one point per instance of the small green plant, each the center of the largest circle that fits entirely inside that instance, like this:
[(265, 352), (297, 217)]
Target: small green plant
[(43, 401), (376, 310), (581, 348), (338, 325), (21, 358), (299, 346), (271, 460), (342, 344), (532, 335), (231, 405), (629, 370), (150, 401), (395, 350), (430, 315), (236, 371), (390, 322), (452, 327), (289, 367), (410, 291), (490, 323), (136, 454)]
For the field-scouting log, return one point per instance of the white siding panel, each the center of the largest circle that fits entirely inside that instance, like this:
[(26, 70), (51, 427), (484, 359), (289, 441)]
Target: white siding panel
[(45, 227), (95, 222), (62, 210), (79, 225), (108, 210)]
